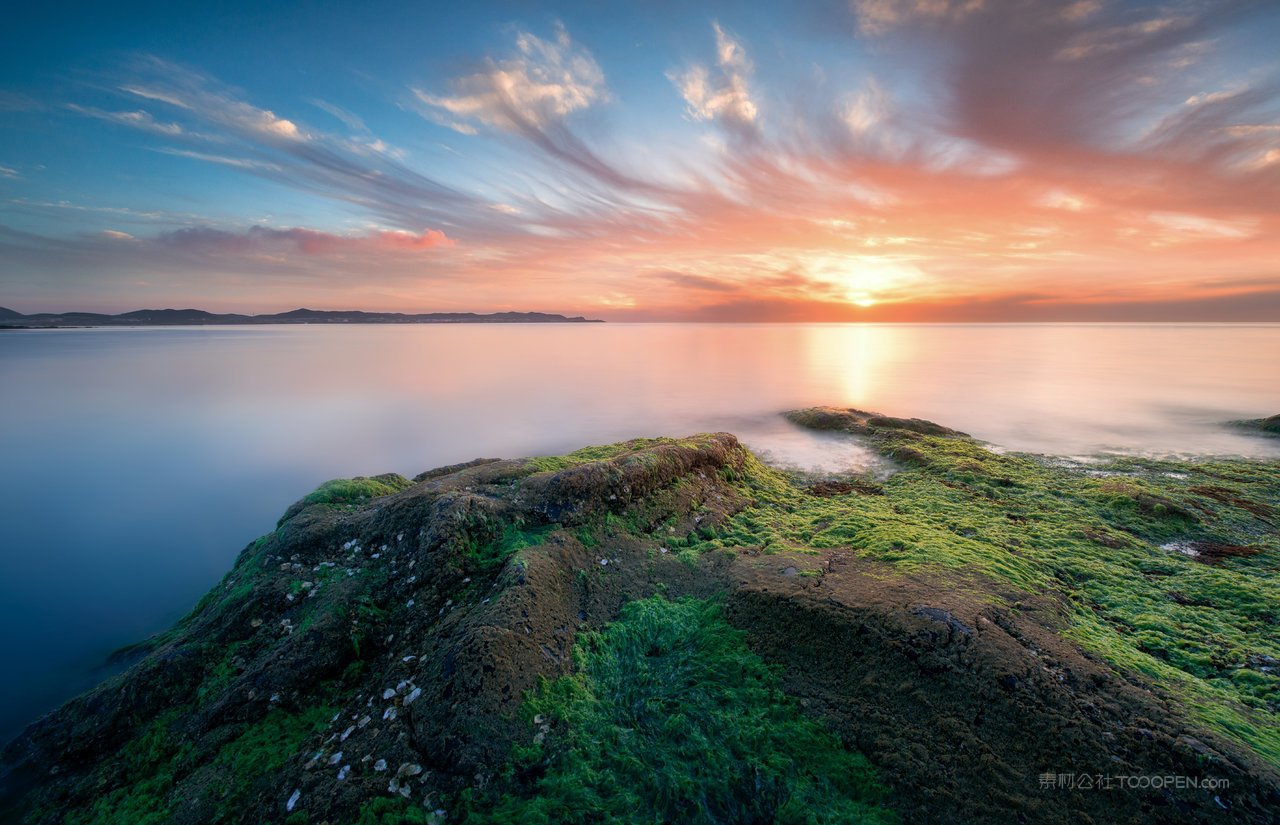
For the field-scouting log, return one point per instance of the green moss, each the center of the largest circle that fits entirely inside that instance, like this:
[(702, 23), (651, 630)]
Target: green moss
[(354, 490), (513, 538), (1088, 535), (145, 771), (384, 810), (348, 493), (149, 766), (586, 455), (670, 718), (261, 750)]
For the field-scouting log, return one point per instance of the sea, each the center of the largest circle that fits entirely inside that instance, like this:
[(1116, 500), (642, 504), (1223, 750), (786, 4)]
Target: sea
[(138, 462)]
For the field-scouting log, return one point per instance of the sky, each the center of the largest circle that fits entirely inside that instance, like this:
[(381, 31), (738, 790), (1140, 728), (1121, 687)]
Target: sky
[(866, 160)]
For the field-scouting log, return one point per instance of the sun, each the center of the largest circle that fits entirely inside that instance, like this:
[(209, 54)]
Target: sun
[(863, 280)]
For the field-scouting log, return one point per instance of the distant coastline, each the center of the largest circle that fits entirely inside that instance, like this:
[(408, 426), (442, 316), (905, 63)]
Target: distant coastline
[(10, 319)]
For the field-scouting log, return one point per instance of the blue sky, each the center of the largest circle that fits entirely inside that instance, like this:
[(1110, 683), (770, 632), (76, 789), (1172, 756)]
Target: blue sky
[(827, 160)]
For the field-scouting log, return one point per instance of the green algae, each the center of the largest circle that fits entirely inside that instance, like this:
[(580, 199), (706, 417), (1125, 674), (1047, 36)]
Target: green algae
[(668, 717), (261, 750), (147, 767), (587, 455), (1100, 538)]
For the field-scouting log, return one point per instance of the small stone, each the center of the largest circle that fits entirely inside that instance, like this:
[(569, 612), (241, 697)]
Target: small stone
[(380, 765), (293, 800), (390, 713), (388, 693), (336, 758), (342, 774), (347, 733), (413, 694), (364, 720), (409, 769), (604, 562)]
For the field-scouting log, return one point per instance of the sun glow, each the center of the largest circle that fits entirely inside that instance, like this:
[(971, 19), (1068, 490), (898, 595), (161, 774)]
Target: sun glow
[(863, 280)]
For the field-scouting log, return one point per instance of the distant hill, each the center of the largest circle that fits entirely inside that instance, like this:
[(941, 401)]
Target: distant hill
[(199, 317)]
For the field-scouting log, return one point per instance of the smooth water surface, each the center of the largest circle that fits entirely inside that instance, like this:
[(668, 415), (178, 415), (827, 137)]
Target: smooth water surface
[(138, 462)]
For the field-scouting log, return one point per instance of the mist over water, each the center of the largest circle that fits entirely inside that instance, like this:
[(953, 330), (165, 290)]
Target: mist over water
[(138, 462)]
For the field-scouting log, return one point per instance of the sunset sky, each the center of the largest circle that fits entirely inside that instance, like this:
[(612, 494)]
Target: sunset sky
[(923, 160)]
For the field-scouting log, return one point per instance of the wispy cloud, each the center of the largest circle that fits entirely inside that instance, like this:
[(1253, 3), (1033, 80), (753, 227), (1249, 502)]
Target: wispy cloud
[(367, 173), (353, 122), (1051, 152), (136, 119), (721, 94), (546, 81)]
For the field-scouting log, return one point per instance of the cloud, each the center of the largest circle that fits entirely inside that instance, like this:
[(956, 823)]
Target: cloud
[(546, 81), (879, 16), (310, 242), (1011, 167), (352, 122), (531, 96), (11, 174), (190, 92), (223, 160), (689, 280), (366, 173), (722, 95), (137, 119), (867, 109)]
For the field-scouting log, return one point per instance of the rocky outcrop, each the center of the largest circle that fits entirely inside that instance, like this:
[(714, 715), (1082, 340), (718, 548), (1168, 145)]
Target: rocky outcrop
[(1265, 426), (369, 660)]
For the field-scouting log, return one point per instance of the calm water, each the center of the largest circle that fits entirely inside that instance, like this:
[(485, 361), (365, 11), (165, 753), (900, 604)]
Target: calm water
[(137, 462)]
